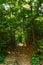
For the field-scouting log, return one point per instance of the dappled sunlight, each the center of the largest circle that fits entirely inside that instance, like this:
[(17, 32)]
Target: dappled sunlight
[(9, 52), (21, 45), (6, 6)]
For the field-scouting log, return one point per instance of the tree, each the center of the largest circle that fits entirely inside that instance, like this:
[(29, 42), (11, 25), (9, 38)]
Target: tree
[(21, 14)]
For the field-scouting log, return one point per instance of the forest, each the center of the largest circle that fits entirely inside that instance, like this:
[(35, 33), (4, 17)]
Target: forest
[(21, 32)]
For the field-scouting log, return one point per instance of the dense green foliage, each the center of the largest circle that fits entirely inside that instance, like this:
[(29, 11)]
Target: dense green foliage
[(2, 56), (34, 60), (40, 45)]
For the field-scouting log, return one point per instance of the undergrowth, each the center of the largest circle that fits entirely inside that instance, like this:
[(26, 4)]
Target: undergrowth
[(2, 56), (35, 59)]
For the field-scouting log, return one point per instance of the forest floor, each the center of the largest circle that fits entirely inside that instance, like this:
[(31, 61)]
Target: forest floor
[(19, 56)]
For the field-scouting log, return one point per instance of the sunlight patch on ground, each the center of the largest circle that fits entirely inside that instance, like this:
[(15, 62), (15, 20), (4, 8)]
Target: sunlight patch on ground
[(21, 45)]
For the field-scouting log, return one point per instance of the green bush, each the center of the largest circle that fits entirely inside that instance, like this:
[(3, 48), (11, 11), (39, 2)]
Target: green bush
[(1, 59), (41, 57), (34, 59), (2, 55), (39, 44)]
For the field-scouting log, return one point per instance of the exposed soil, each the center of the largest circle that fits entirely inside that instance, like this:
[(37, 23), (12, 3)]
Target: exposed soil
[(19, 55)]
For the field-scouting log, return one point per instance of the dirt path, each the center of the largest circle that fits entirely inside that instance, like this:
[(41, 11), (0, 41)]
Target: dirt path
[(21, 60), (19, 56)]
